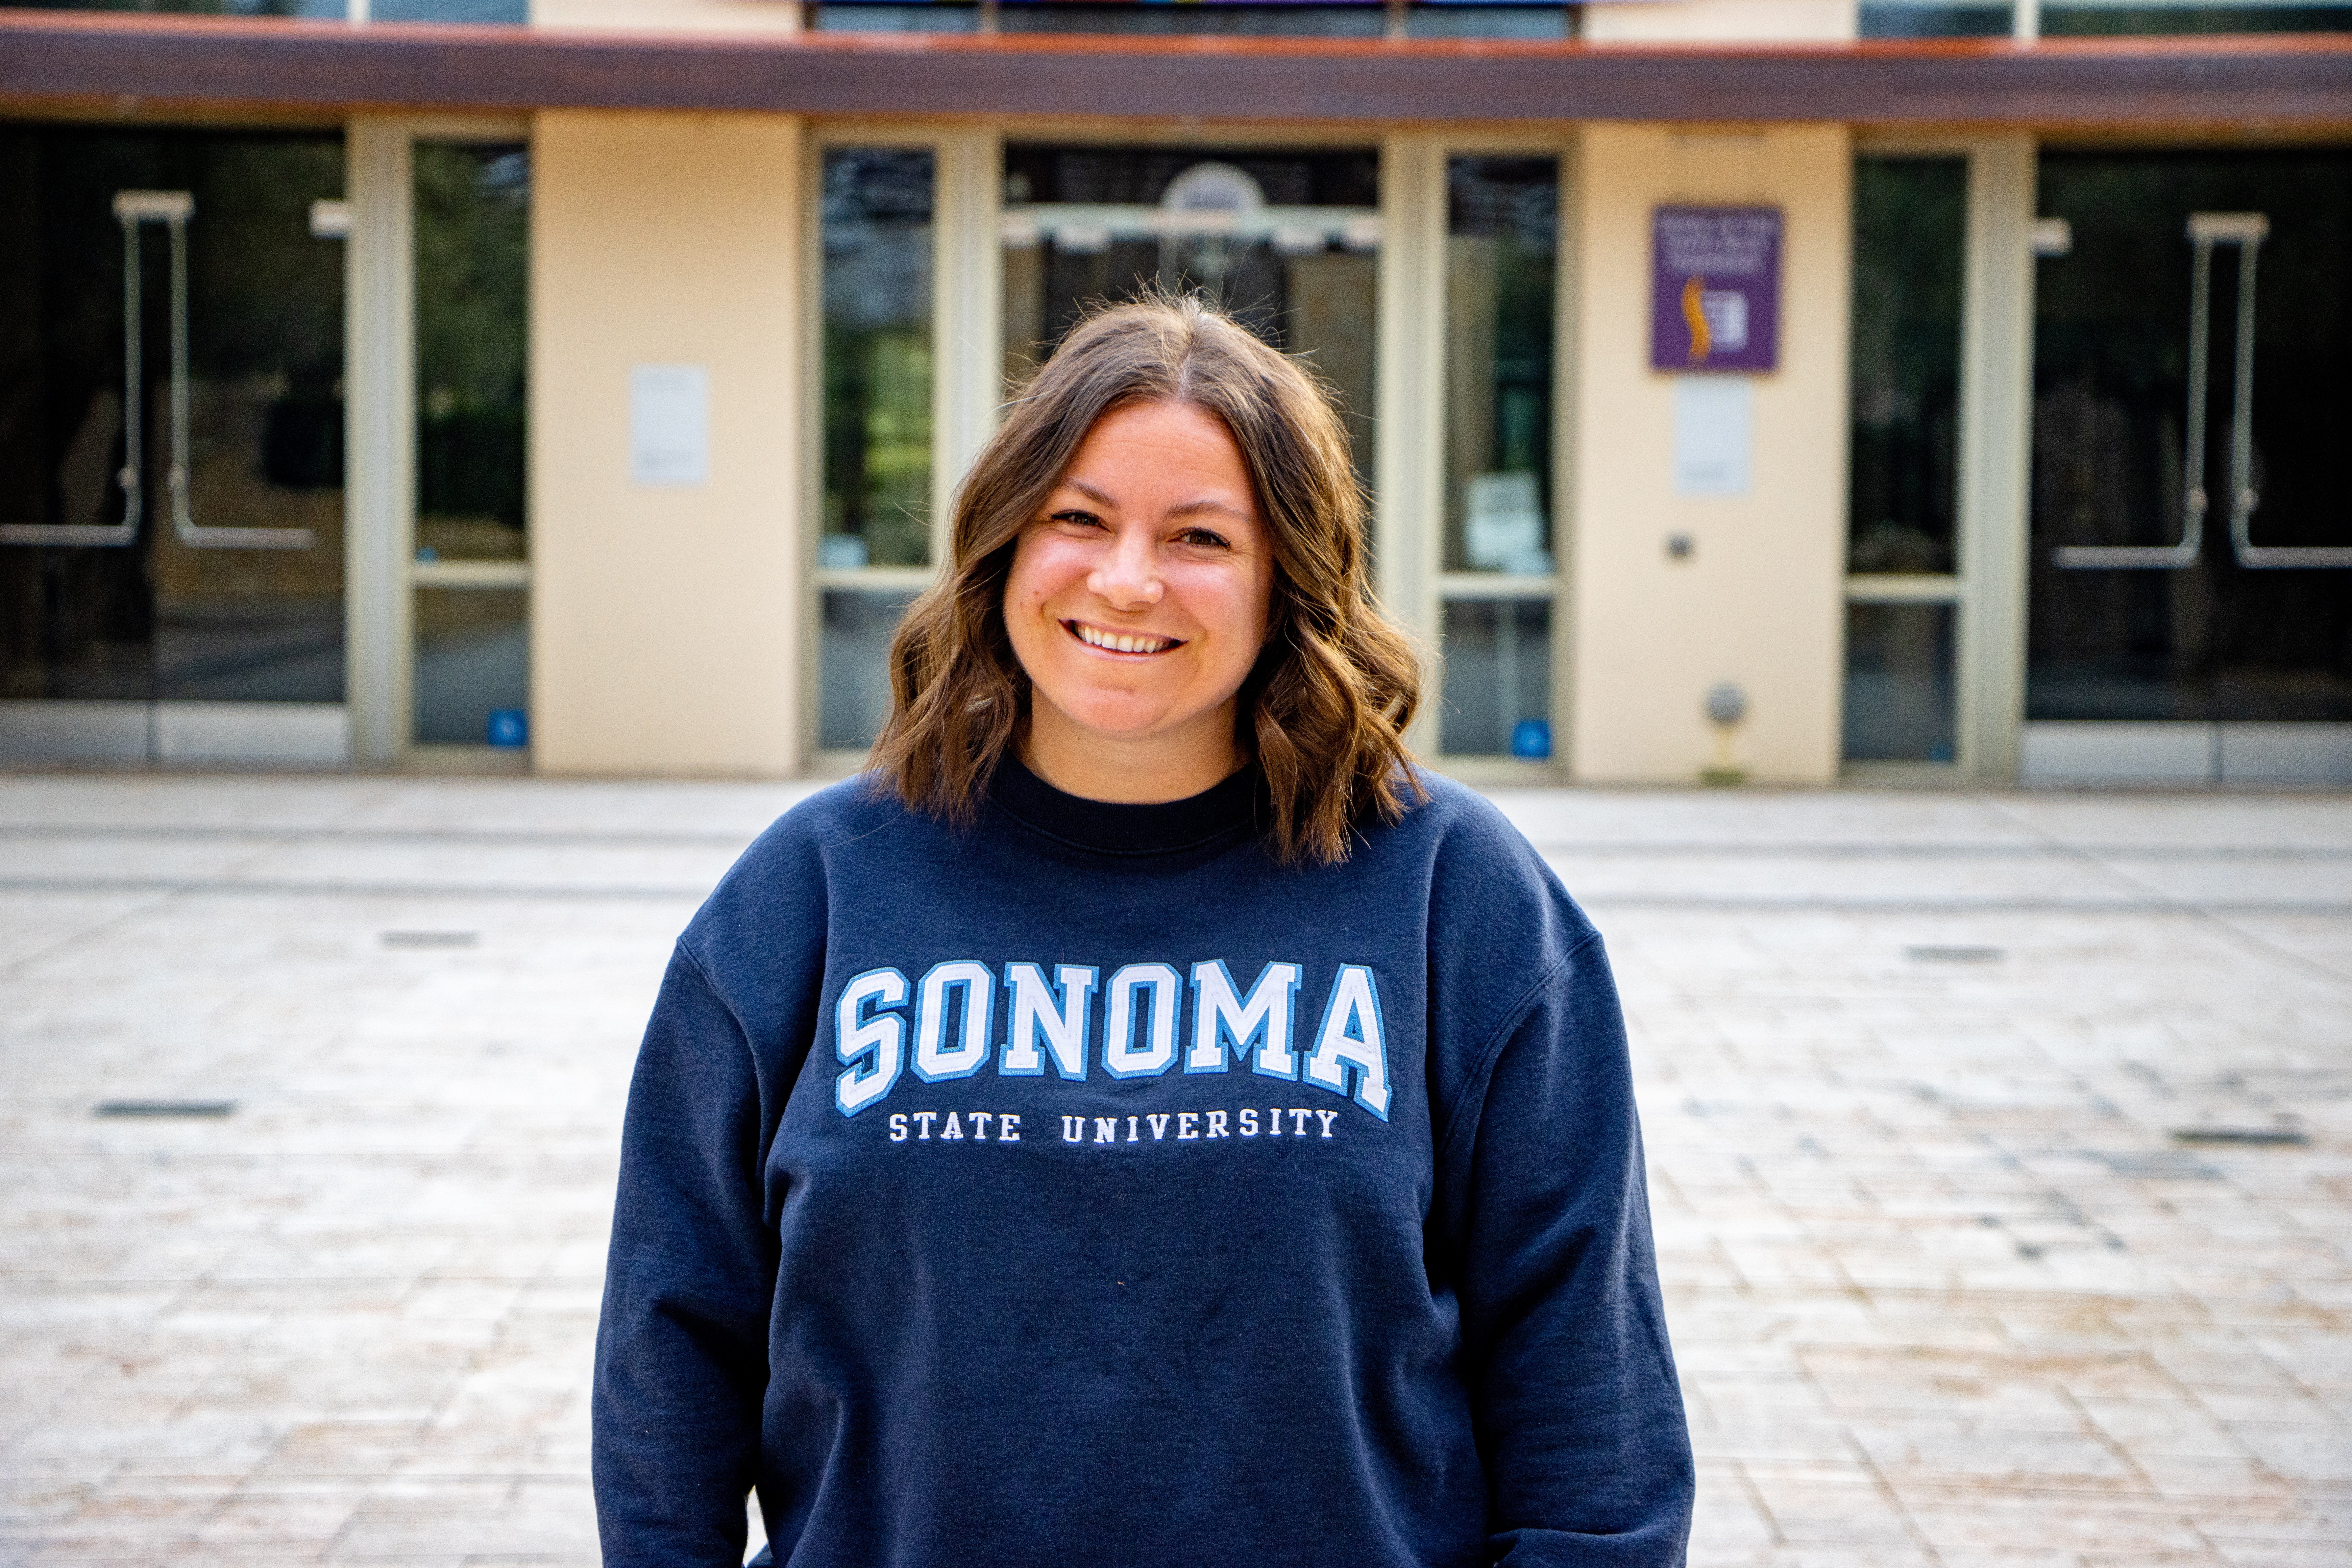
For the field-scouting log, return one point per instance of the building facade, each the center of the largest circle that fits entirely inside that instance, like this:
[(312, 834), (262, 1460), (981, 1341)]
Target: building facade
[(1770, 389)]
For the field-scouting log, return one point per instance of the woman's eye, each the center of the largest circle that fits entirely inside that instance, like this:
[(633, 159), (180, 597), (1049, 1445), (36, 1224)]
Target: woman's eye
[(1207, 539), (1076, 519)]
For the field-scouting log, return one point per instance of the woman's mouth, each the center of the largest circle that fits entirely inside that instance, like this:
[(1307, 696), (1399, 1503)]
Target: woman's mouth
[(1120, 642)]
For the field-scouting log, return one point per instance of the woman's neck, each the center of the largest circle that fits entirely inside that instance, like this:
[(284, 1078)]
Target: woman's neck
[(1145, 770)]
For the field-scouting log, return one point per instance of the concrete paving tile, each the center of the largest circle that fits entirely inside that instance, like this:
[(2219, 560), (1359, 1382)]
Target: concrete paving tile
[(2079, 1521), (2298, 1451), (1727, 1519), (27, 1502), (2282, 1553)]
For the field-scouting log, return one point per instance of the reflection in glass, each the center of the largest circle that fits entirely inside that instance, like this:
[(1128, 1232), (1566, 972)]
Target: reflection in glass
[(509, 11), (1251, 18), (1899, 702), (878, 357), (853, 664), (2104, 17), (473, 228), (158, 616), (473, 665), (1287, 240), (1910, 228), (1497, 700), (2217, 640), (1502, 257), (1936, 18)]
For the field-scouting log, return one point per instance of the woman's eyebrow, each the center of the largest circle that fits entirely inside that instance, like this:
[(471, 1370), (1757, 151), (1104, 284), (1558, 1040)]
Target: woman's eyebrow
[(1207, 504), (1100, 497)]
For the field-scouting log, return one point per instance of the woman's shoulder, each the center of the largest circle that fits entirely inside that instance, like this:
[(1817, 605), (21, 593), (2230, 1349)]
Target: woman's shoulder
[(1468, 832), (1483, 871), (844, 829)]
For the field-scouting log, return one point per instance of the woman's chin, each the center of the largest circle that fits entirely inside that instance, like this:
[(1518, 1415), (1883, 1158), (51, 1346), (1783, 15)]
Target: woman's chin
[(1120, 723)]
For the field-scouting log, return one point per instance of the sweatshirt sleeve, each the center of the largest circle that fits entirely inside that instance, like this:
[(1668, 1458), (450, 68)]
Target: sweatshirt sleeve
[(1543, 1207), (681, 1347)]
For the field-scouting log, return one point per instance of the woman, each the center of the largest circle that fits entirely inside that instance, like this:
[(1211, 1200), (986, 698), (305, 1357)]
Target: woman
[(1145, 1120)]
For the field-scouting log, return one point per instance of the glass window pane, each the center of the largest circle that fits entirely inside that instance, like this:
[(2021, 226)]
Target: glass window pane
[(2095, 18), (878, 357), (853, 664), (473, 261), (511, 12), (473, 665), (1910, 226), (1899, 703), (1498, 693), (2206, 638), (1502, 258), (161, 610), (1289, 243), (1936, 18), (334, 10)]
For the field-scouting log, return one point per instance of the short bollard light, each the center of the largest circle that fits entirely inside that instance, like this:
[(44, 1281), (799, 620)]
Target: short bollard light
[(1726, 705)]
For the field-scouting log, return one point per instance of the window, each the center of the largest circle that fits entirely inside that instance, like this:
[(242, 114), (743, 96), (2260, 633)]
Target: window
[(1903, 587), (472, 677), (1500, 571), (875, 551)]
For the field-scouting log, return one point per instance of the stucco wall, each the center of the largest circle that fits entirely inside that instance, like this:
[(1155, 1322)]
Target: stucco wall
[(1760, 600), (670, 16), (1719, 21), (665, 620)]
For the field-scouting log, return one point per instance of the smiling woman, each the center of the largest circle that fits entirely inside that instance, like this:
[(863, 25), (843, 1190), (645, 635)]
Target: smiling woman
[(1136, 605), (1169, 476), (1146, 1120)]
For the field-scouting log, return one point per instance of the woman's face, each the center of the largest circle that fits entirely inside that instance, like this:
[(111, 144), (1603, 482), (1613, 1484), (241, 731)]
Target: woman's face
[(1137, 602)]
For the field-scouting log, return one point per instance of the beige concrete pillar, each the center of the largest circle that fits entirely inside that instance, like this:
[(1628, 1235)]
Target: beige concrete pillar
[(1758, 600), (669, 15), (664, 618), (1721, 21)]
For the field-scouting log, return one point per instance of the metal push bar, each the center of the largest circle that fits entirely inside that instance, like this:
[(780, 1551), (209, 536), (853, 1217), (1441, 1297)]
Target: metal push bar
[(133, 210), (2247, 231)]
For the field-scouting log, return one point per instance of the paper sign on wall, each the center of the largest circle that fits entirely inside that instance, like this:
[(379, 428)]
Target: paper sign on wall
[(1714, 424), (1715, 289), (669, 424)]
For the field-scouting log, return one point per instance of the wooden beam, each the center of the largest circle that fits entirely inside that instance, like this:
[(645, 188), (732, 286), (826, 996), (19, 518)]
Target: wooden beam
[(99, 60)]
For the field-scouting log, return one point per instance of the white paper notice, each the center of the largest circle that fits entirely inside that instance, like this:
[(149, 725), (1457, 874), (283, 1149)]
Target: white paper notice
[(669, 424), (1714, 424)]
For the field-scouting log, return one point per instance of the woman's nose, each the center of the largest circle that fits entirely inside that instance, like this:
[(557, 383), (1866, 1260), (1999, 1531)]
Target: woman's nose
[(1128, 576)]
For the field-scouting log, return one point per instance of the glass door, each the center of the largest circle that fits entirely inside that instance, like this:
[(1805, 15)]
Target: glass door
[(171, 444), (1286, 238), (2191, 571)]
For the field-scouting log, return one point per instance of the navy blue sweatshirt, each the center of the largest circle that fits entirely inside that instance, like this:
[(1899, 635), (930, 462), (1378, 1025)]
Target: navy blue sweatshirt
[(1082, 1187)]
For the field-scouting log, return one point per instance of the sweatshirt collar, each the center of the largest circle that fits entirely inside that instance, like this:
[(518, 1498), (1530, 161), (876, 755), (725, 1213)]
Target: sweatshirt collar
[(1228, 808)]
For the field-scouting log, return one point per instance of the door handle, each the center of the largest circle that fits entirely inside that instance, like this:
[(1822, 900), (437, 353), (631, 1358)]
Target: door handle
[(2206, 230), (131, 208), (2244, 499), (134, 210)]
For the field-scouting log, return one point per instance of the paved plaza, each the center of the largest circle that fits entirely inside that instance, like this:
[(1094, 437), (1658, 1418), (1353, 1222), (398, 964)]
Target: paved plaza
[(2001, 1152)]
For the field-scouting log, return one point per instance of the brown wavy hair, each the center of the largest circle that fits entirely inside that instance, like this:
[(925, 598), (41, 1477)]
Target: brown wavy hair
[(1324, 709)]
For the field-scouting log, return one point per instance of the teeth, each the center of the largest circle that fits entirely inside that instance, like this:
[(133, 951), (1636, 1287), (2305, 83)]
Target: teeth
[(1119, 643)]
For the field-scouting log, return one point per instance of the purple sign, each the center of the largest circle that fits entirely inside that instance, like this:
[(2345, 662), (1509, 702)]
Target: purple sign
[(1715, 289)]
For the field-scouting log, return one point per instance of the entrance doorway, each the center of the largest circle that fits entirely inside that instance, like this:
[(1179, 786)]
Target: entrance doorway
[(2190, 612), (171, 445)]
